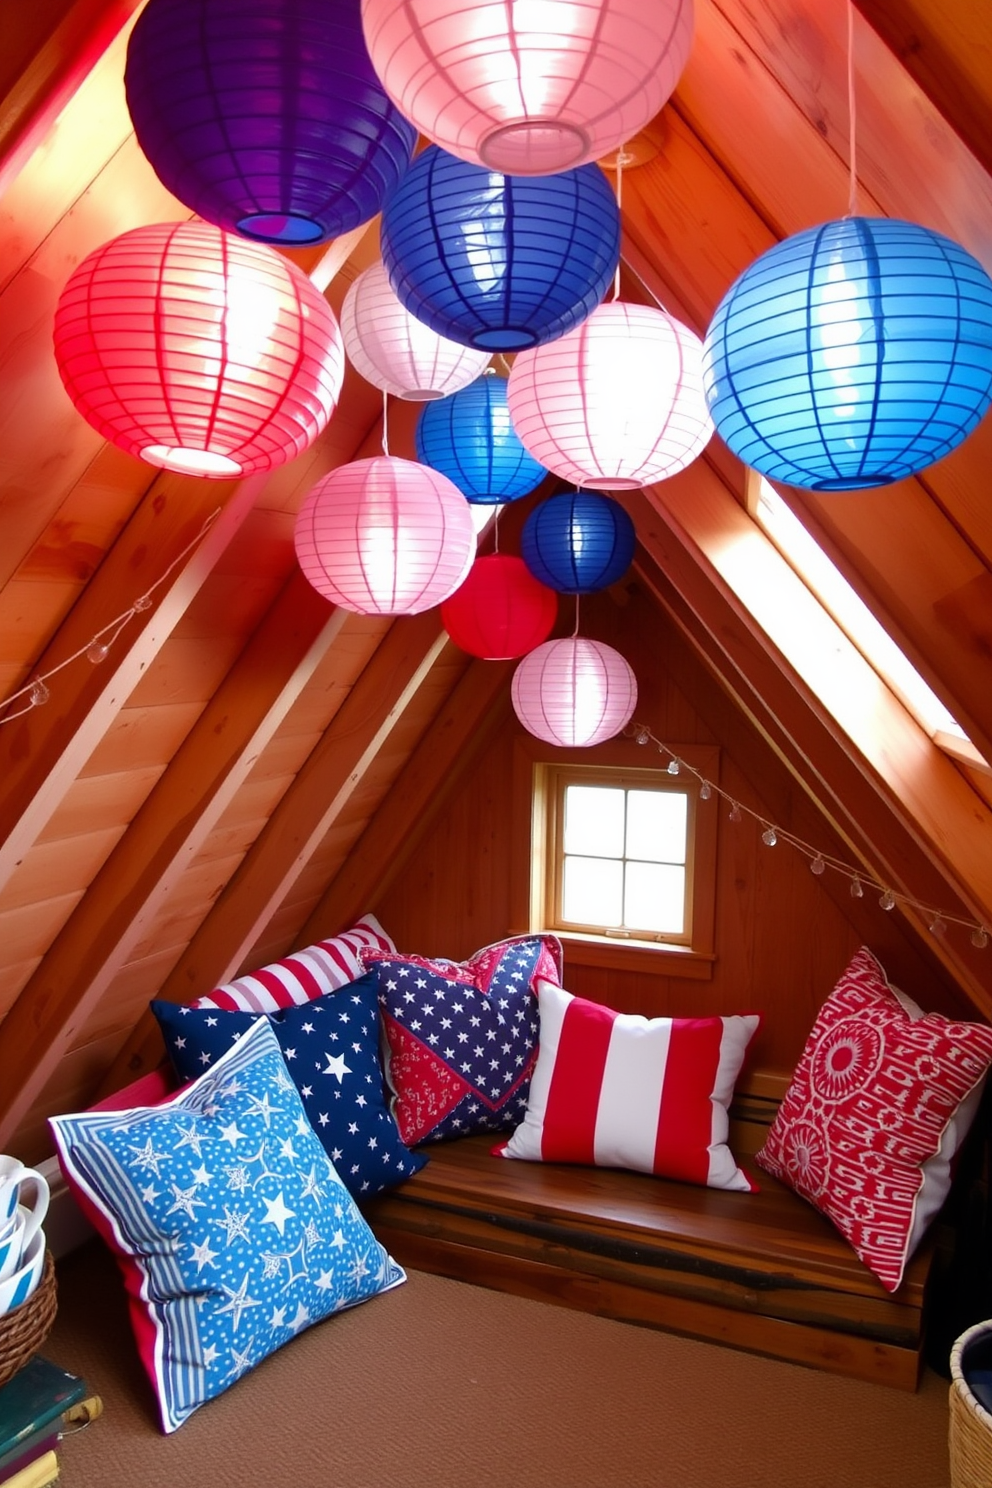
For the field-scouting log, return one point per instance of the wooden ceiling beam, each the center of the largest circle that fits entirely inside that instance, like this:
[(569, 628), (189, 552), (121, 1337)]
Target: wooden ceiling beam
[(434, 769), (385, 691), (186, 803)]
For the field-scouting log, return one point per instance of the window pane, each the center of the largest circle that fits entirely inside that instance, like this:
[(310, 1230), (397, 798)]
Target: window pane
[(656, 825), (594, 821), (592, 891), (654, 898)]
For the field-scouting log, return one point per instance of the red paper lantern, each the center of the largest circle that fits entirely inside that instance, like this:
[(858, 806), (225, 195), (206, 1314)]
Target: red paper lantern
[(501, 610), (198, 350), (385, 536), (574, 692)]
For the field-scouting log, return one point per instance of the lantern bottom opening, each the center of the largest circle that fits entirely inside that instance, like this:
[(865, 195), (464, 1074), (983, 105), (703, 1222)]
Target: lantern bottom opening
[(421, 395), (850, 483), (282, 227), (611, 483), (533, 147), (189, 461)]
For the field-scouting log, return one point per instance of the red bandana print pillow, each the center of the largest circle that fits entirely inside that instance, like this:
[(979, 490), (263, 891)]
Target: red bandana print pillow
[(877, 1102)]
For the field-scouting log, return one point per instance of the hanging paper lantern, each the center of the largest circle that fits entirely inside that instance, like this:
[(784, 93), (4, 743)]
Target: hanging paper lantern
[(618, 403), (197, 350), (528, 89), (470, 438), (574, 692), (852, 354), (394, 351), (499, 262), (578, 542), (385, 536), (500, 611), (265, 116)]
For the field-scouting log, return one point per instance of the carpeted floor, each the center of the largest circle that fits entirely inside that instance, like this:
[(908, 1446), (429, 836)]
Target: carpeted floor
[(442, 1385)]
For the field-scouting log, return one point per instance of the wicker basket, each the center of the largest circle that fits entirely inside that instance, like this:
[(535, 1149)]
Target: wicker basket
[(23, 1331), (970, 1435)]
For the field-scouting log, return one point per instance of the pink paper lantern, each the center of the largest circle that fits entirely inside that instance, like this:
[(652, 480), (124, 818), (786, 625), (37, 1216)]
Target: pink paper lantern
[(497, 85), (617, 403), (197, 350), (574, 692), (391, 349), (385, 536), (501, 610)]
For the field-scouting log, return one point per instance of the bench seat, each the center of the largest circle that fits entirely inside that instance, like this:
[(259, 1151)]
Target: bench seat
[(761, 1271)]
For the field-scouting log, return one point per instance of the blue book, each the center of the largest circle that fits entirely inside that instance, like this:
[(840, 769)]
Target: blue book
[(33, 1404)]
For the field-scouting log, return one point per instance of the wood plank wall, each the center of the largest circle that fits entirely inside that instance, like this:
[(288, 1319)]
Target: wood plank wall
[(782, 934)]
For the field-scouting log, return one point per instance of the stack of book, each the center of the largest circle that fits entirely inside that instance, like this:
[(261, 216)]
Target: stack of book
[(38, 1407)]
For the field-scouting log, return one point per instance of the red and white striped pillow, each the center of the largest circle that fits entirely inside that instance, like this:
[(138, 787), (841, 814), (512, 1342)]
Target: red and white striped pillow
[(618, 1090), (312, 972)]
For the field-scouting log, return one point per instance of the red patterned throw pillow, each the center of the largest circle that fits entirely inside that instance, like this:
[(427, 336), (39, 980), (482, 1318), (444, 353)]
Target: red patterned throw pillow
[(323, 967), (621, 1091), (878, 1103)]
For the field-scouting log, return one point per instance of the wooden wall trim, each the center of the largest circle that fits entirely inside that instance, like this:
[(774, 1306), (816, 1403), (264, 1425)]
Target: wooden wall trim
[(42, 752), (386, 689), (187, 801)]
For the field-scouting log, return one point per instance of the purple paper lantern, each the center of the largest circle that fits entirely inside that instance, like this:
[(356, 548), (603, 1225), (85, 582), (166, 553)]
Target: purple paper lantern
[(265, 117)]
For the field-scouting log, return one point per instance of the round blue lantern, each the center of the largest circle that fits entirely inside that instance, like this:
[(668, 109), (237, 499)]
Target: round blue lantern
[(469, 437), (499, 262), (578, 542), (265, 117), (851, 355)]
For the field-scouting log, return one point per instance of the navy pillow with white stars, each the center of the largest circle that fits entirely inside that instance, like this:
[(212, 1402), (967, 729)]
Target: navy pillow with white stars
[(331, 1049), (461, 1037)]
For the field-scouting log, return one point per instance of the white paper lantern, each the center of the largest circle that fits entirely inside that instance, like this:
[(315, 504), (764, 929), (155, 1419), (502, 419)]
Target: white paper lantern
[(617, 403), (385, 536), (574, 692), (528, 88), (391, 349)]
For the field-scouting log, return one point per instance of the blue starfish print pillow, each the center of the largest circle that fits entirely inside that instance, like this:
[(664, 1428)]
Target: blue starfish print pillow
[(331, 1049), (231, 1226), (460, 1037)]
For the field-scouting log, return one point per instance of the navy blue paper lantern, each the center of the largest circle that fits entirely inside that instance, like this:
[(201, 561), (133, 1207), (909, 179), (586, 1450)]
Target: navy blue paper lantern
[(499, 262), (469, 437), (578, 542), (265, 117), (851, 355)]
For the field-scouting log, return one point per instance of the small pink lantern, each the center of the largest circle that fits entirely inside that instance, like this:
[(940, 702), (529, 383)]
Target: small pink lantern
[(617, 403), (385, 536), (501, 610), (528, 89), (574, 692), (391, 349)]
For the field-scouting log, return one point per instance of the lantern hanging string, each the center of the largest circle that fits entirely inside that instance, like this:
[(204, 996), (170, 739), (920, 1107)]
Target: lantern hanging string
[(385, 422), (852, 200), (620, 161), (771, 835), (99, 644)]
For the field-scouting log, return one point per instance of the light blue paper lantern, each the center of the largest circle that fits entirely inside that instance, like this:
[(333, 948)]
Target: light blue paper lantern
[(851, 355), (499, 262), (469, 437)]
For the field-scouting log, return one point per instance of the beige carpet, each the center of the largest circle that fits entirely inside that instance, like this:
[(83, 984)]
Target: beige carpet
[(443, 1385)]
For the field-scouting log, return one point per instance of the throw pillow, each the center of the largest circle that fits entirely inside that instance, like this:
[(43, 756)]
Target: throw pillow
[(619, 1090), (312, 972), (460, 1037), (865, 1129), (233, 1231), (331, 1049)]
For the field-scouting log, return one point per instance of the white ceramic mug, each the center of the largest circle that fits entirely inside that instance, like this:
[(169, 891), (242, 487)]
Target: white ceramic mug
[(12, 1244), (15, 1178), (17, 1287)]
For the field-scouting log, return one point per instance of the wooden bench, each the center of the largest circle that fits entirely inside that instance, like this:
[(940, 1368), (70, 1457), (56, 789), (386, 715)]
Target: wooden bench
[(763, 1271)]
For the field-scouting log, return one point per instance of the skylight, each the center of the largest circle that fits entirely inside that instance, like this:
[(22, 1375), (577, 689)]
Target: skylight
[(858, 623)]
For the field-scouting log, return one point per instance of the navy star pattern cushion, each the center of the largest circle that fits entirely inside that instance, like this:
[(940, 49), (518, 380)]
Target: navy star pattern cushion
[(232, 1229), (331, 1049), (461, 1038)]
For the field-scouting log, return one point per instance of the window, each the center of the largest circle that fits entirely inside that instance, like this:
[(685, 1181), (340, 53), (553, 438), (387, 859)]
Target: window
[(622, 858)]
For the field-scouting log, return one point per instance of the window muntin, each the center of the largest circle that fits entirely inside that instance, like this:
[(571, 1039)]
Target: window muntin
[(620, 848)]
